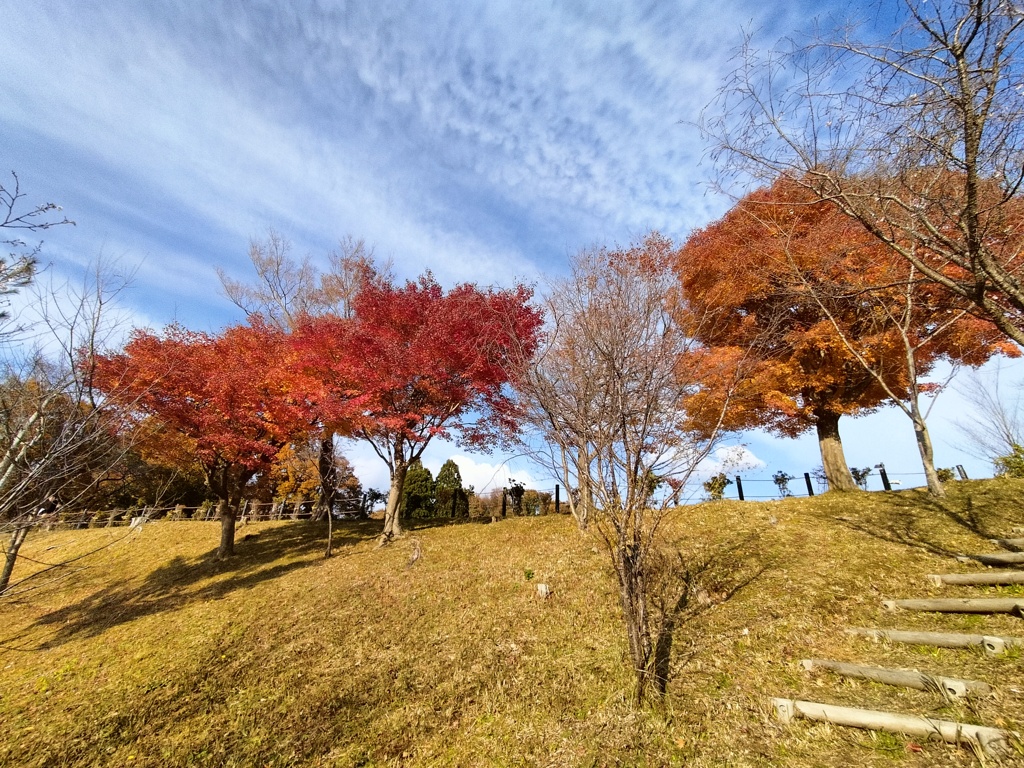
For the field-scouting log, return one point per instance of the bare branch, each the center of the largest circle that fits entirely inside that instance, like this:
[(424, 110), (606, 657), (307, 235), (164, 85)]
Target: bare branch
[(920, 137)]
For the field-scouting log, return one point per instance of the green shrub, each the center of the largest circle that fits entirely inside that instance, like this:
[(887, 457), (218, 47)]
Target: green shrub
[(781, 480), (715, 486), (1011, 465), (860, 476)]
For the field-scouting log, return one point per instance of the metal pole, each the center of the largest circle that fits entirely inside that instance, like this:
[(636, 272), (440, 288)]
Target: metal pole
[(807, 479), (739, 487), (558, 501), (962, 472)]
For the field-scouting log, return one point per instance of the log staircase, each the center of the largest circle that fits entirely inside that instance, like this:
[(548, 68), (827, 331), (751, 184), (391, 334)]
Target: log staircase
[(990, 741)]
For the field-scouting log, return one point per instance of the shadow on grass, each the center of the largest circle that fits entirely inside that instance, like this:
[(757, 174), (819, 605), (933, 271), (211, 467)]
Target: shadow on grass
[(685, 586), (179, 582), (423, 523), (915, 519)]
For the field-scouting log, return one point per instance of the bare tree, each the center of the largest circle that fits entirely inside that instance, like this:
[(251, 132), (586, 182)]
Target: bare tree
[(58, 443), (996, 427), (18, 266), (607, 405), (350, 265), (286, 288), (919, 136)]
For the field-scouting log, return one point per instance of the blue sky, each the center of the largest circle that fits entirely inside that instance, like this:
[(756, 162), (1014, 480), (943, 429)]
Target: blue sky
[(485, 141)]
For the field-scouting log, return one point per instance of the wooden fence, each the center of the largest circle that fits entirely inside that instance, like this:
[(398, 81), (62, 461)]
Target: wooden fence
[(250, 511)]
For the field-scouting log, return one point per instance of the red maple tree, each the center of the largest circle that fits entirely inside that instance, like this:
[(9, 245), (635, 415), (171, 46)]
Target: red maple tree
[(417, 362), (223, 393)]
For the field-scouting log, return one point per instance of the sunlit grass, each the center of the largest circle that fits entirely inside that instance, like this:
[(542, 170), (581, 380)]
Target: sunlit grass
[(150, 652)]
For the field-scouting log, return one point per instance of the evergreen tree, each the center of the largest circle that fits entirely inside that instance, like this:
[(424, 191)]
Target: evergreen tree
[(516, 490), (452, 499), (418, 493)]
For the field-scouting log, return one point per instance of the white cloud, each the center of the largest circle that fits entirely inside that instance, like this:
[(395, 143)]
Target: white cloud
[(484, 140), (485, 472), (730, 459), (482, 472)]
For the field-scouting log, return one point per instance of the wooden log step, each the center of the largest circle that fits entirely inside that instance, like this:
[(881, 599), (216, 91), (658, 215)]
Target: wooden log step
[(1014, 605), (992, 741), (1010, 543), (991, 644), (995, 558), (985, 577), (949, 687)]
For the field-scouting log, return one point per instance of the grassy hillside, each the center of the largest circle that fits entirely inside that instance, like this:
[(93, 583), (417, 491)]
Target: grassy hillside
[(148, 652)]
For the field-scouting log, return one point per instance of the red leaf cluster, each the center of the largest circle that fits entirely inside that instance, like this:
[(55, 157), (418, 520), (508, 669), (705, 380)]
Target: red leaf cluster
[(412, 362), (220, 392), (416, 361)]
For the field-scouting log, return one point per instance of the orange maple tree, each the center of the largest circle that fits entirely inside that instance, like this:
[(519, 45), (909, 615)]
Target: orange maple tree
[(825, 319)]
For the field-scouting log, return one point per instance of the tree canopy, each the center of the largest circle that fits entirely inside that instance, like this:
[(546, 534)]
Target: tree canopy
[(918, 135), (821, 313), (434, 363), (222, 393)]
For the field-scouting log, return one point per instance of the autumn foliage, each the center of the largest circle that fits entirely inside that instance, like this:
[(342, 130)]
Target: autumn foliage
[(808, 304), (411, 363), (221, 394), (432, 363)]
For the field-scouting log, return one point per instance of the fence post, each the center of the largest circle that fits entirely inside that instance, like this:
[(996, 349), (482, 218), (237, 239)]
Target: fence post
[(961, 471), (807, 479), (885, 479), (558, 500), (739, 487)]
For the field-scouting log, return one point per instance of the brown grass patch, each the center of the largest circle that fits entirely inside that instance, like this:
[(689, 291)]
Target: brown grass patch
[(152, 653)]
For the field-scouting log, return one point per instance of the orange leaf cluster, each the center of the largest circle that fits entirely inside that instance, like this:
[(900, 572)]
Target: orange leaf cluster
[(794, 302)]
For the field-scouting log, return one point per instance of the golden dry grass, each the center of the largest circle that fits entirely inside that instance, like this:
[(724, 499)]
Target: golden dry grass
[(151, 653)]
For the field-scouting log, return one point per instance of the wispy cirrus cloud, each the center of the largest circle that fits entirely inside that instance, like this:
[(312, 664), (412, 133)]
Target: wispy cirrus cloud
[(485, 140)]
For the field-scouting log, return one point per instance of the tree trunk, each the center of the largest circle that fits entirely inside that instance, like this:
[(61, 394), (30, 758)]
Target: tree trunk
[(924, 446), (226, 514), (325, 468), (833, 460), (586, 500), (635, 614), (572, 501), (392, 525), (330, 534), (17, 539), (632, 592)]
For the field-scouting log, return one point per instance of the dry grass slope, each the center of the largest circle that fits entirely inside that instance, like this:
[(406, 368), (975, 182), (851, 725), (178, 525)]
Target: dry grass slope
[(151, 653)]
